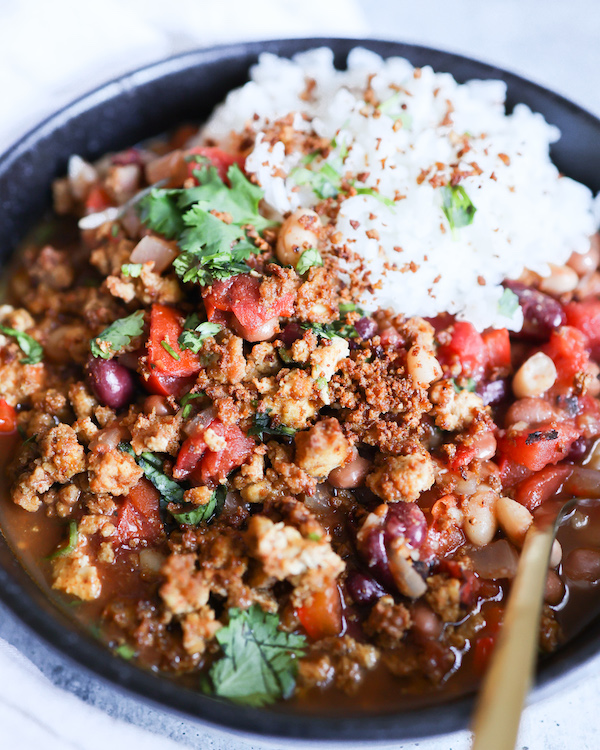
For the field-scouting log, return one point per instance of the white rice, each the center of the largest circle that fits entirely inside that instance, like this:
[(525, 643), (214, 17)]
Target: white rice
[(527, 214)]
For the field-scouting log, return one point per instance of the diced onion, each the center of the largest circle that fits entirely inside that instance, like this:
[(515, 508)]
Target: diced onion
[(496, 560), (153, 249)]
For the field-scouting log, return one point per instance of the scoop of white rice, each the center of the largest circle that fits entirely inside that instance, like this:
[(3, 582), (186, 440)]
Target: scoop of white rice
[(416, 131)]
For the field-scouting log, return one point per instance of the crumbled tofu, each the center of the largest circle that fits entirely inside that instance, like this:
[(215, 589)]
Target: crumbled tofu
[(198, 628), (323, 448), (74, 574), (454, 411), (185, 589), (113, 472), (402, 478), (326, 359)]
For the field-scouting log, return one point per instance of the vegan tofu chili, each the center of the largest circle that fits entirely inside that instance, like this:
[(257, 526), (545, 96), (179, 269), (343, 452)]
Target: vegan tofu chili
[(242, 479)]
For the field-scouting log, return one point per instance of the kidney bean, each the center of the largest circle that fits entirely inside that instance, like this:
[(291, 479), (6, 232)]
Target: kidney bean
[(112, 384), (292, 332), (405, 520), (578, 450), (366, 328), (425, 622), (541, 313), (157, 404), (362, 588), (583, 565)]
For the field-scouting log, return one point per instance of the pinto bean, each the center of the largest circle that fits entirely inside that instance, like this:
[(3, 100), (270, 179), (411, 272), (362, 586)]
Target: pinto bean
[(425, 622), (298, 233), (265, 332), (583, 263), (350, 475), (158, 405), (583, 565), (541, 313), (529, 410), (562, 279), (555, 589)]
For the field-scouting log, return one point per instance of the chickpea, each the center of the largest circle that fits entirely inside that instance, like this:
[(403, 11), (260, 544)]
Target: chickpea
[(422, 365), (299, 232), (562, 279), (535, 376)]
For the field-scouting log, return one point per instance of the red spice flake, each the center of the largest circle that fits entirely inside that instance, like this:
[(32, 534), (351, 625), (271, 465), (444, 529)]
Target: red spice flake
[(363, 176), (398, 249), (437, 279), (423, 176), (504, 158), (372, 234), (481, 281), (417, 73), (372, 217), (354, 224), (337, 238)]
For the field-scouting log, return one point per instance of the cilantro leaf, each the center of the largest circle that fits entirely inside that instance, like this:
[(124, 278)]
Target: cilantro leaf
[(325, 182), (375, 194), (457, 206), (169, 349), (262, 426), (170, 491), (131, 269), (508, 304), (204, 513), (260, 662), (125, 651), (118, 335), (27, 344), (185, 402), (71, 544), (160, 212), (470, 385), (346, 307), (309, 258), (195, 332)]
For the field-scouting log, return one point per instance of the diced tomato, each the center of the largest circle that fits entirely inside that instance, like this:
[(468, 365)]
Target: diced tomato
[(463, 456), (241, 295), (321, 615), (567, 348), (165, 329), (536, 447), (97, 200), (219, 159), (443, 536), (497, 349), (139, 514), (465, 347), (469, 582), (511, 473), (8, 417), (167, 385), (585, 316), (205, 466), (535, 490), (484, 645)]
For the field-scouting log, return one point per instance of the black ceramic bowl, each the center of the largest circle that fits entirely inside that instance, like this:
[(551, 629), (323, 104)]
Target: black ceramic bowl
[(148, 102)]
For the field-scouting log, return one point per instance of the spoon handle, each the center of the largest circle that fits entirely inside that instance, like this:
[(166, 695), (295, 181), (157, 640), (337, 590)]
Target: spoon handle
[(498, 713)]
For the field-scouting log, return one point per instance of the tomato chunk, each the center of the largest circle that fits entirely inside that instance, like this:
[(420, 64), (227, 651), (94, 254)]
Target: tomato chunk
[(168, 385), (497, 349), (585, 316), (321, 615), (535, 490), (219, 159), (165, 329), (139, 514), (536, 447), (466, 347), (567, 348), (97, 200), (240, 295), (206, 466), (8, 417)]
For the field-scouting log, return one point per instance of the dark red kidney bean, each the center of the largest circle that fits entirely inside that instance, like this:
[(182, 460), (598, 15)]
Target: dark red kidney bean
[(578, 450), (541, 313), (366, 328), (362, 588), (405, 520), (555, 589), (425, 622), (292, 332), (583, 565), (112, 384), (373, 551), (492, 392)]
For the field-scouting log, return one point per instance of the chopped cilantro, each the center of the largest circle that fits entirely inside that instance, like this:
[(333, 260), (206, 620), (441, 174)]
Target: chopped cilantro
[(347, 307), (125, 651), (160, 212), (262, 426), (131, 269), (70, 546), (185, 402), (259, 664), (169, 349), (329, 330), (118, 335), (309, 258), (195, 332), (393, 109), (508, 304), (381, 198), (325, 182), (114, 230), (470, 385), (170, 491), (27, 344), (457, 206), (204, 513), (285, 356), (314, 537)]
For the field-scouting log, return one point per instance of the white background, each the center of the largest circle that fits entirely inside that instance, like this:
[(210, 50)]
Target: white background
[(54, 50)]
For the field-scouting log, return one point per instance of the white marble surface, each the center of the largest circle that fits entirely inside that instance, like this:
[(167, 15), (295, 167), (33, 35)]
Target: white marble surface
[(53, 51)]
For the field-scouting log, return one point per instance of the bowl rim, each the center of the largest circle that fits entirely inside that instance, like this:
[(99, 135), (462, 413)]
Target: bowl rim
[(28, 603)]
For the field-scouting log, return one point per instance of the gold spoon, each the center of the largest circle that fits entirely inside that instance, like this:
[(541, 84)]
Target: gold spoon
[(509, 677)]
